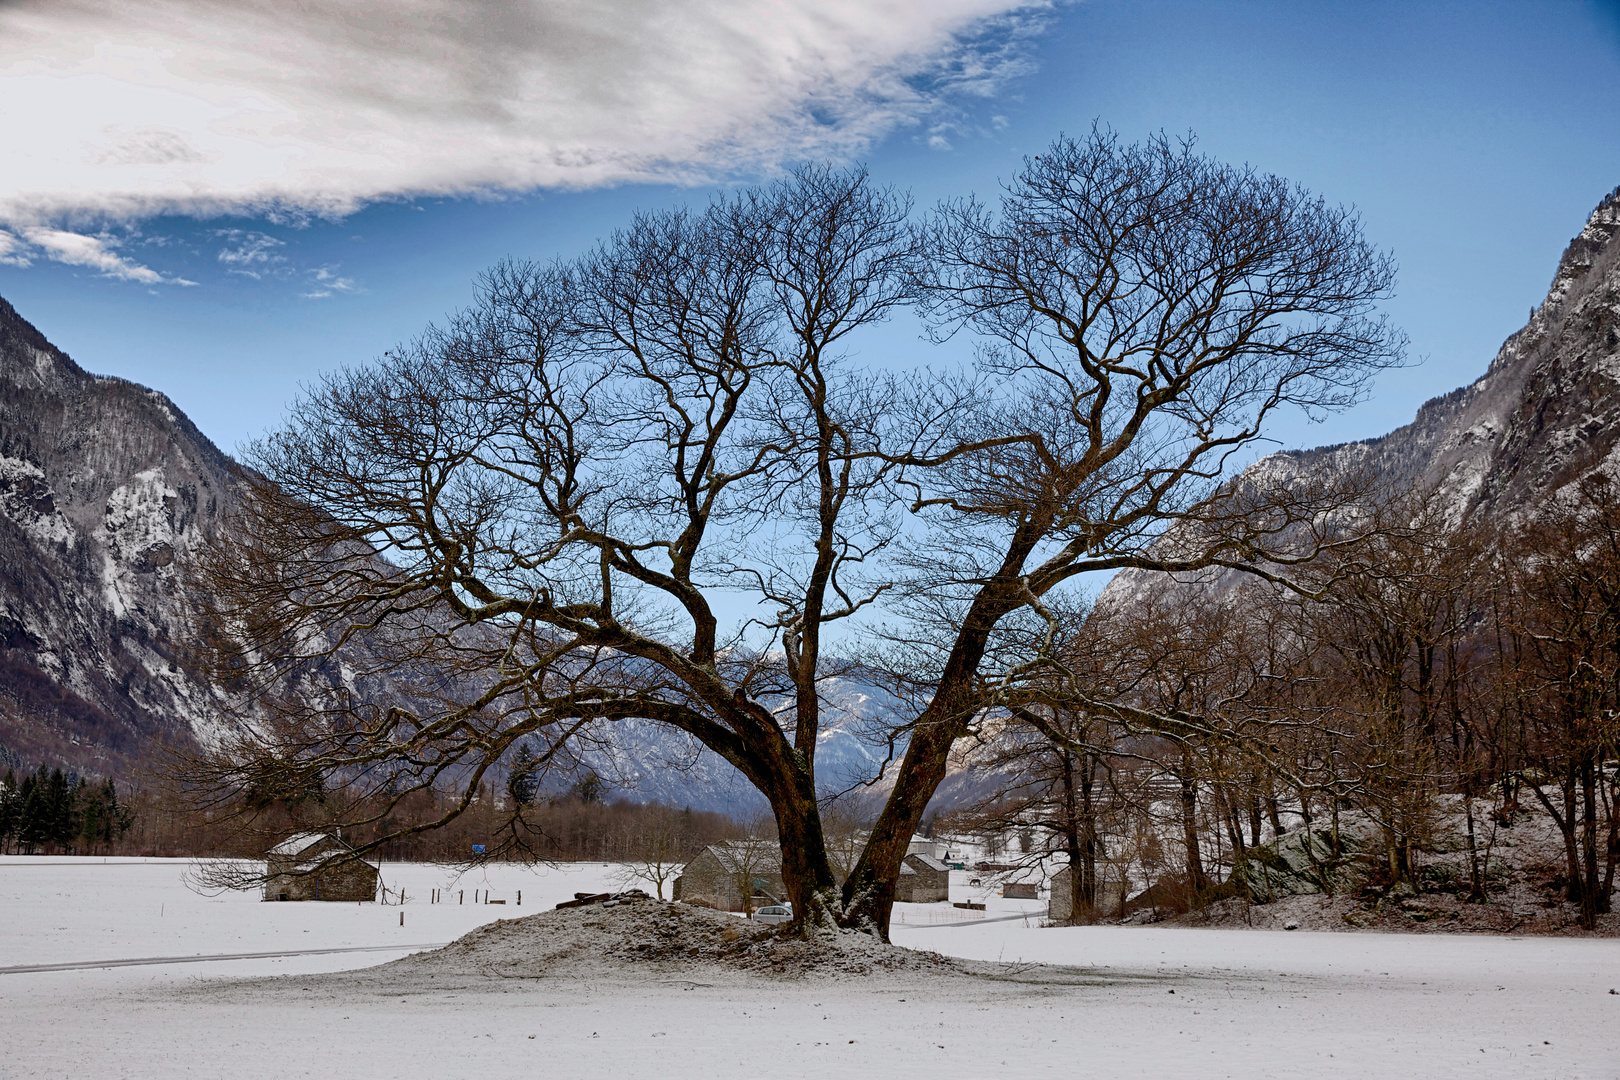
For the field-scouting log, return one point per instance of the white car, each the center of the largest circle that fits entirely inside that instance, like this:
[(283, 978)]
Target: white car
[(774, 913)]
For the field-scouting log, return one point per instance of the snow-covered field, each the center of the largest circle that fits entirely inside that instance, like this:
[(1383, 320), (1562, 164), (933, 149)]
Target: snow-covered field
[(1127, 1002)]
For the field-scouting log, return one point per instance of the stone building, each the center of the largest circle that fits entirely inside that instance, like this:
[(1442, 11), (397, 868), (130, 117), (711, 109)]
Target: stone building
[(717, 875), (317, 866), (934, 849), (1110, 898), (923, 880)]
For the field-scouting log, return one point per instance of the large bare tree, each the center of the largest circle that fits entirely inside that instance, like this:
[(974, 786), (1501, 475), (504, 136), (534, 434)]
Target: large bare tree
[(526, 525)]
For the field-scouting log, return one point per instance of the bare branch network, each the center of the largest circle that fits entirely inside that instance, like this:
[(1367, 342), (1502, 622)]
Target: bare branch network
[(515, 530)]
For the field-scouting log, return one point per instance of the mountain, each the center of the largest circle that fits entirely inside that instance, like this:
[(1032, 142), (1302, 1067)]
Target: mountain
[(1545, 413), (104, 487), (653, 762)]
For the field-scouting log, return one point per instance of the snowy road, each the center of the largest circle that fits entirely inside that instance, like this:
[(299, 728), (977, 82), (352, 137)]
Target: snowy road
[(143, 961), (1136, 1002)]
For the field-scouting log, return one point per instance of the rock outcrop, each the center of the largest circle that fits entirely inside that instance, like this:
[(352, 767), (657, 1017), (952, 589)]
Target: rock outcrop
[(1545, 413), (105, 486)]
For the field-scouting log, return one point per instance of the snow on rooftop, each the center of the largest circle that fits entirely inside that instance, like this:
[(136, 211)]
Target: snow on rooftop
[(298, 843)]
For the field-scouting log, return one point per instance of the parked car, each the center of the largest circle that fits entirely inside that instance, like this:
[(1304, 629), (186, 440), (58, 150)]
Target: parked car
[(773, 913)]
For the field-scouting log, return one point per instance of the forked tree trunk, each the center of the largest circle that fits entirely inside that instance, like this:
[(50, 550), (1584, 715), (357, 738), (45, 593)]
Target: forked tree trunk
[(807, 871)]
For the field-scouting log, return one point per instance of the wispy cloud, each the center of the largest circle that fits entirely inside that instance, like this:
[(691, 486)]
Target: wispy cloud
[(250, 253), (113, 111), (325, 281), (13, 251), (78, 249)]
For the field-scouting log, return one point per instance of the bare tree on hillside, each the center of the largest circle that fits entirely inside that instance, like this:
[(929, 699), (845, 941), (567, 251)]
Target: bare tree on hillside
[(1566, 622), (518, 524)]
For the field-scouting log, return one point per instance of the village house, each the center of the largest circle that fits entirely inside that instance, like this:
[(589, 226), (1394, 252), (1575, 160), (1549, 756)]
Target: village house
[(934, 849), (317, 866), (923, 880), (716, 876)]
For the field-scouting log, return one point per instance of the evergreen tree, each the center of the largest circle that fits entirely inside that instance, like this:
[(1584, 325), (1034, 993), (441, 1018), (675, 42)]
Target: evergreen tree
[(100, 819), (33, 819), (10, 808), (60, 828)]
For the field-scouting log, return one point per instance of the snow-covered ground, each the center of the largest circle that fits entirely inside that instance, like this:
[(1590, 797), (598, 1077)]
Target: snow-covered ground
[(56, 910), (1130, 1002)]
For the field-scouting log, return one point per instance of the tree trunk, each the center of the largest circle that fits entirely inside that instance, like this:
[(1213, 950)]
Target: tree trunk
[(1591, 903), (1080, 906), (1197, 880), (806, 870)]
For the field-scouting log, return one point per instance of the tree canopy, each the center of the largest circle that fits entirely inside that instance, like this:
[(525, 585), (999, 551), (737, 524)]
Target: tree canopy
[(514, 531)]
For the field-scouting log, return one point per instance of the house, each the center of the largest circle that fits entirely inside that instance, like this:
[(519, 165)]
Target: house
[(715, 877), (923, 880), (1110, 897), (317, 866), (922, 845)]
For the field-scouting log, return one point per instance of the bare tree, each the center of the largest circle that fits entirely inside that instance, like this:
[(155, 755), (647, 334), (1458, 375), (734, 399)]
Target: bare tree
[(661, 850), (1566, 620), (515, 528)]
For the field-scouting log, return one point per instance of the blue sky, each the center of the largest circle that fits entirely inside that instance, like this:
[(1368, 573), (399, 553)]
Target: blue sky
[(1473, 137)]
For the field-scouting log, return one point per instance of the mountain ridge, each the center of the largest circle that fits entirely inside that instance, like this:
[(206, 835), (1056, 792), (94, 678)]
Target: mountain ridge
[(1545, 413), (106, 486)]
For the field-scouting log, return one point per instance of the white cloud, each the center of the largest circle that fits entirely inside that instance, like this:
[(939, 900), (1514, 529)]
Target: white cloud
[(95, 252), (250, 253), (112, 110), (13, 251), (325, 281)]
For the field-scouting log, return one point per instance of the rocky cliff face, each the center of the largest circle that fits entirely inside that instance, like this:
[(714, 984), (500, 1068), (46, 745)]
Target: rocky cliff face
[(104, 488), (1545, 413)]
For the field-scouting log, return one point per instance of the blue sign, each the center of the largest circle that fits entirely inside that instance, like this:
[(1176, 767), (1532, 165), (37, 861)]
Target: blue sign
[(478, 849)]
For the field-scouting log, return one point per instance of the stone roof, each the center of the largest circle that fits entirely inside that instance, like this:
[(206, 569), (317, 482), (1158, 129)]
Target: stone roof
[(765, 855), (929, 861), (299, 843)]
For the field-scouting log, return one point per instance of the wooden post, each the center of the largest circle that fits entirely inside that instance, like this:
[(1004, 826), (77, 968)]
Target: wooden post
[(520, 898), (402, 918), (461, 897)]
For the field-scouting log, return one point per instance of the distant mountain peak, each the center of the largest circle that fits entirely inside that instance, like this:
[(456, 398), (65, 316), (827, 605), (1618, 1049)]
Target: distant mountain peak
[(1588, 247)]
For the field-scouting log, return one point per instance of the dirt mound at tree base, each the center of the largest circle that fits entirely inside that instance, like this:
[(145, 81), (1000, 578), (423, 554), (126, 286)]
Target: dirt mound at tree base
[(635, 938)]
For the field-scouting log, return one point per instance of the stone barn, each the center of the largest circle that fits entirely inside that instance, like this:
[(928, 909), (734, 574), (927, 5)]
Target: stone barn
[(317, 866), (1110, 898), (715, 876), (923, 880)]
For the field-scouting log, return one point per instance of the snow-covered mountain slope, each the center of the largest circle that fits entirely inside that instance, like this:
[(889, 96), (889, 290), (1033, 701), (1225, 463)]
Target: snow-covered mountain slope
[(104, 487), (1545, 413), (655, 763)]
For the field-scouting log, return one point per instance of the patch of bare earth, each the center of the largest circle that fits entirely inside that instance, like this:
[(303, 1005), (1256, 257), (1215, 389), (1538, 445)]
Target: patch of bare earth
[(641, 938)]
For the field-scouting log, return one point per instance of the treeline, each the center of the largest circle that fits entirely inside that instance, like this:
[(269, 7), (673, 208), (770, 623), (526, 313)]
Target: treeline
[(574, 825), (1420, 689), (52, 812)]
